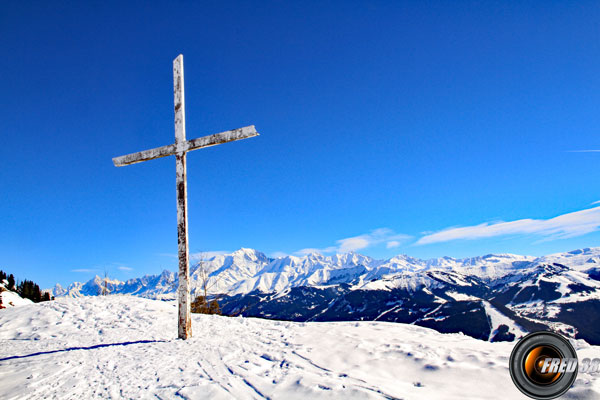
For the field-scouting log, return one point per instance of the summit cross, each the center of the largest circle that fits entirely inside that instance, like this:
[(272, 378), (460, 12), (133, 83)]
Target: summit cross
[(179, 150)]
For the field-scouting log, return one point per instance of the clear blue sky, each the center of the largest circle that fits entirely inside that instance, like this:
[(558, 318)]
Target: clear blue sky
[(416, 117)]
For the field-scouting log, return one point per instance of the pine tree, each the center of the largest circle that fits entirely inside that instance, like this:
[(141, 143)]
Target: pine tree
[(26, 289), (37, 293), (29, 290), (11, 282)]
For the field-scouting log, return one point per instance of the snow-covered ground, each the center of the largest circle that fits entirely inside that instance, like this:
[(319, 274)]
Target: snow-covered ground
[(9, 298), (126, 347)]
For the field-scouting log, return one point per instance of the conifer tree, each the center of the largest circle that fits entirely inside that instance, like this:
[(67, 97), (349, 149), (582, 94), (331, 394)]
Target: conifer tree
[(11, 282), (26, 289)]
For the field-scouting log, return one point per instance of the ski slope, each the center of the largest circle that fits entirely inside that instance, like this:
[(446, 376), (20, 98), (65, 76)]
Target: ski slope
[(126, 347)]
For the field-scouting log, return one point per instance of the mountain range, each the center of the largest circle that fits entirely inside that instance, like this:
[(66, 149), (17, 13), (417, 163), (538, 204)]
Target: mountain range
[(496, 297)]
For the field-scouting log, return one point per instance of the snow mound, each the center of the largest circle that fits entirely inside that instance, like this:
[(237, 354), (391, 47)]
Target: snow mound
[(126, 347), (8, 298)]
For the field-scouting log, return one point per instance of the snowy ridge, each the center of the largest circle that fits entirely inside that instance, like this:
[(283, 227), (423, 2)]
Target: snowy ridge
[(248, 270)]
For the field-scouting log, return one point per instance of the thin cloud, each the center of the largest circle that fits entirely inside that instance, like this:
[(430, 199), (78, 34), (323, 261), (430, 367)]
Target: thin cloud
[(392, 244), (103, 268), (207, 255), (564, 226), (596, 202), (196, 256), (170, 255), (311, 250), (360, 242), (584, 151), (353, 244), (278, 254)]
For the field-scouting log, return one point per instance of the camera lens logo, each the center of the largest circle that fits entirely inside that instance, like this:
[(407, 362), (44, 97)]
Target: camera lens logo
[(543, 365)]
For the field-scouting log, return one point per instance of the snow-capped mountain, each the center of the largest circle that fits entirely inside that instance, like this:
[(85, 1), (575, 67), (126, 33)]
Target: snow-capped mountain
[(248, 270), (493, 297)]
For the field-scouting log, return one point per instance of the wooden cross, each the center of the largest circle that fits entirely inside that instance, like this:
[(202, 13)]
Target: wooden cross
[(179, 150)]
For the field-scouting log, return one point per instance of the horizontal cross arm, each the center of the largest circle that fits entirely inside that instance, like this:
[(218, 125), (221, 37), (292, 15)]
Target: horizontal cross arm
[(219, 138), (193, 144), (145, 155)]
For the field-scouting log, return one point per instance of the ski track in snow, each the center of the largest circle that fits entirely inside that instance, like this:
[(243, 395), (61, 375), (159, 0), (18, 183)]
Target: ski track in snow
[(126, 347)]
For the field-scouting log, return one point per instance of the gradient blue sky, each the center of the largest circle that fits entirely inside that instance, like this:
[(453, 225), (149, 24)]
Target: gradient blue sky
[(384, 124)]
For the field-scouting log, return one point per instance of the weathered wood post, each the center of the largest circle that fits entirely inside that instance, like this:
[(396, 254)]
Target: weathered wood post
[(183, 291)]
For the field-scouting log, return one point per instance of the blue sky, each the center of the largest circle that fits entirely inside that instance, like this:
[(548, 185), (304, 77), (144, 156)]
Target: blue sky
[(426, 128)]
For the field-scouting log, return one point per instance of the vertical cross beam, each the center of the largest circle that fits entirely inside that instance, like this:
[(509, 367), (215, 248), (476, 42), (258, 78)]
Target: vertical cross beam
[(185, 320)]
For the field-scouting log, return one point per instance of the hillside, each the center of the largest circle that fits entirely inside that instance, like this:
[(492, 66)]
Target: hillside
[(126, 347), (9, 298)]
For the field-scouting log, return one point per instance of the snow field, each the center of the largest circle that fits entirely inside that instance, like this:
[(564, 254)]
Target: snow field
[(126, 347)]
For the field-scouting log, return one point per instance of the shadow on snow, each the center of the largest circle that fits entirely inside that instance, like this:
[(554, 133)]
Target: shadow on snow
[(98, 346)]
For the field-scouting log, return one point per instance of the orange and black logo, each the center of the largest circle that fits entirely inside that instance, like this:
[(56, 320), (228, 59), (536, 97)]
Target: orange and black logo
[(543, 365)]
